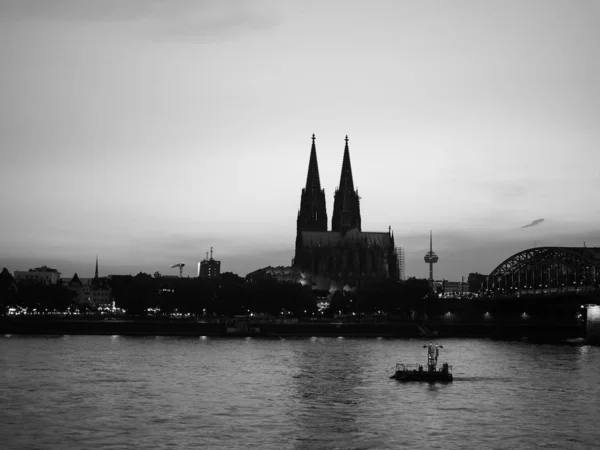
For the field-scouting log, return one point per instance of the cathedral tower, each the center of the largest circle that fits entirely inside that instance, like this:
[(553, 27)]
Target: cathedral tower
[(346, 202), (313, 211)]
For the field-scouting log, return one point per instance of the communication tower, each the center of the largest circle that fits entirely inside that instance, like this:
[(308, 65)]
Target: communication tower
[(430, 257)]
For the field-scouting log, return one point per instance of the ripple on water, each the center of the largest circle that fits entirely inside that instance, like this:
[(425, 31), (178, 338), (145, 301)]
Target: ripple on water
[(115, 391)]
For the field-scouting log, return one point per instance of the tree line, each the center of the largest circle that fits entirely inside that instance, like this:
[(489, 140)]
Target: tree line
[(227, 296)]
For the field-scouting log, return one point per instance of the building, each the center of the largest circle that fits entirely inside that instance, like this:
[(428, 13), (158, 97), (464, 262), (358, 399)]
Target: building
[(210, 267), (401, 264), (82, 288), (42, 274), (477, 282), (346, 255), (93, 292), (283, 274), (450, 288), (101, 293)]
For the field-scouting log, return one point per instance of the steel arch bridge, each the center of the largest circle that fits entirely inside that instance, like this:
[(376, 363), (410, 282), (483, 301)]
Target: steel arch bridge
[(547, 270)]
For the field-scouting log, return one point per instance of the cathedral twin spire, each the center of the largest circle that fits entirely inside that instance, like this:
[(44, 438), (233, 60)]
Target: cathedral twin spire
[(346, 208), (346, 180), (313, 210), (313, 182), (346, 202)]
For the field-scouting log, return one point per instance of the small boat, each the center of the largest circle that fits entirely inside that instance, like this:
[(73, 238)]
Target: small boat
[(429, 372)]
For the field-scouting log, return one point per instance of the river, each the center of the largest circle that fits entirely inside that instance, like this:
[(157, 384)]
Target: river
[(119, 392)]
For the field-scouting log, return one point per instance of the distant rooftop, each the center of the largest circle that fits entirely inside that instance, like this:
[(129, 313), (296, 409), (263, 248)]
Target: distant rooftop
[(43, 269)]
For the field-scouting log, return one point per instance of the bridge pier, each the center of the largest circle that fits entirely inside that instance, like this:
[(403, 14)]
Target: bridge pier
[(593, 324)]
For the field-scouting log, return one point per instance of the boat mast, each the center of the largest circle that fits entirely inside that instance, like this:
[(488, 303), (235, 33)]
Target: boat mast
[(433, 353)]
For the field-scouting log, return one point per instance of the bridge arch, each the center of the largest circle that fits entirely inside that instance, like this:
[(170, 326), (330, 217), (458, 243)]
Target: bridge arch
[(547, 269)]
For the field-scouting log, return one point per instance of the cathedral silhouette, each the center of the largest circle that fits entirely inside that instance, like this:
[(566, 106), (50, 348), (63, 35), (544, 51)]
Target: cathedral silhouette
[(346, 256)]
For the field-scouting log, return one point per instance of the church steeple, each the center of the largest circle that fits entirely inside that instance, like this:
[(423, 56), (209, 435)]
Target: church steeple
[(346, 180), (96, 272), (313, 211), (346, 203), (313, 182)]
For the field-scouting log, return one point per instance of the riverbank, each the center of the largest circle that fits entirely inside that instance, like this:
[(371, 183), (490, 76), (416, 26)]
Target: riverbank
[(541, 331)]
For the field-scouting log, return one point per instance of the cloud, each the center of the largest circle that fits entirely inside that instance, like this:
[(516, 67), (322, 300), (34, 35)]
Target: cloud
[(78, 10), (510, 188), (166, 18), (533, 224)]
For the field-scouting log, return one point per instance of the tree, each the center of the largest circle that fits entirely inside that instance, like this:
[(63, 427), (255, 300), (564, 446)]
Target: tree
[(135, 294), (230, 278), (476, 282), (59, 297), (7, 289)]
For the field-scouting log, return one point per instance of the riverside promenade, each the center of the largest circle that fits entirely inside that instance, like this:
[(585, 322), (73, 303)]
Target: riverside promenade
[(546, 331)]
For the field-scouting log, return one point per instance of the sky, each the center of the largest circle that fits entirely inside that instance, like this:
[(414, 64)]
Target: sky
[(147, 131)]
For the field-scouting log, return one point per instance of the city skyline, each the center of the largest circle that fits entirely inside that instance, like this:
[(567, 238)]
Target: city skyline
[(148, 132)]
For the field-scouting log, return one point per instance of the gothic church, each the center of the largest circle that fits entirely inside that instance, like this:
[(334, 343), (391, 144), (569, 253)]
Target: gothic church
[(346, 255)]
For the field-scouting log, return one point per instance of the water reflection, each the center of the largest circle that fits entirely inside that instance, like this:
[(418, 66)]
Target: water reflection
[(584, 351), (327, 384), (219, 393)]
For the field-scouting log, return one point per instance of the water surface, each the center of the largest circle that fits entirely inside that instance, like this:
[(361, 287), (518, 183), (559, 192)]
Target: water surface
[(76, 392)]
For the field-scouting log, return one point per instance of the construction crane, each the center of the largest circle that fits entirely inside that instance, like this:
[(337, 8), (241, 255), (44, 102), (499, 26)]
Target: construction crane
[(180, 265)]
